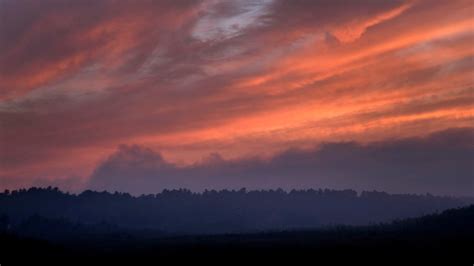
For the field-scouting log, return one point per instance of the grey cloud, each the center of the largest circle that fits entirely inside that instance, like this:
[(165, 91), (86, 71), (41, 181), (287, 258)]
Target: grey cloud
[(440, 163)]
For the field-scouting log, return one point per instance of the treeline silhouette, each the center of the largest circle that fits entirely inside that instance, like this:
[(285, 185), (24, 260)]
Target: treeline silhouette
[(448, 235), (184, 212)]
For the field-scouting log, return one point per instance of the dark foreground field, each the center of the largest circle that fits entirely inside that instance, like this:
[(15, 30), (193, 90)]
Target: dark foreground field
[(448, 236)]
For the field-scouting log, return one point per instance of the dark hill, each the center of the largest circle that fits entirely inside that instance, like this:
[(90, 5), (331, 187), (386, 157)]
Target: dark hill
[(446, 237)]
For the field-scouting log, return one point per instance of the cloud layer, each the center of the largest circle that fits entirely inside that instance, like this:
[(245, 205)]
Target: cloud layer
[(239, 78)]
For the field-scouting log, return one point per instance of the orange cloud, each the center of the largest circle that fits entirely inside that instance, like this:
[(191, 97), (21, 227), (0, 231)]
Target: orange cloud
[(353, 31)]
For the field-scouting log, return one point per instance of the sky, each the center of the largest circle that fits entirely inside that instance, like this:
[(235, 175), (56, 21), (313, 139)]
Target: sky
[(144, 95)]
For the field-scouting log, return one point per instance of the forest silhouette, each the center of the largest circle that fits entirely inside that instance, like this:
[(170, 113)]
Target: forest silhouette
[(227, 211), (51, 226)]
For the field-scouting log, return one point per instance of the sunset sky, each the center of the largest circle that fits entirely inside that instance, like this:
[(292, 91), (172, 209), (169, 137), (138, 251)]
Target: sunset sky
[(143, 95)]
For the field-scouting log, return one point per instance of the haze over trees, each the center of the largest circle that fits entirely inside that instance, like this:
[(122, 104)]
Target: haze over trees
[(446, 235)]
